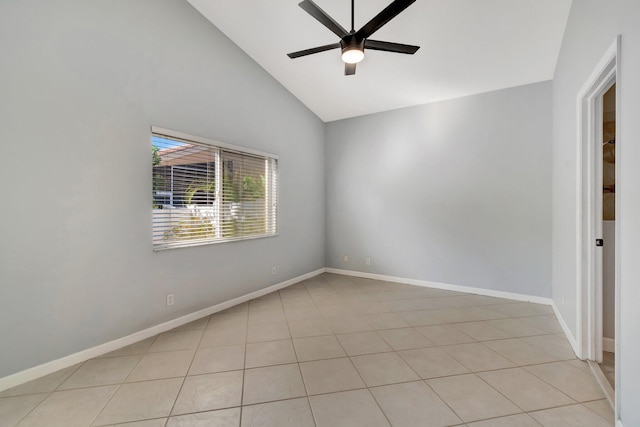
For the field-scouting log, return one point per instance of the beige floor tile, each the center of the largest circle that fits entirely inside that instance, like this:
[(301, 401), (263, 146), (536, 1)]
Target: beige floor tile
[(196, 325), (347, 325), (602, 408), (302, 313), (405, 338), (221, 336), (525, 390), (173, 341), (413, 404), (13, 409), (209, 392), (438, 317), (309, 328), (140, 401), (156, 422), (45, 384), (285, 413), (432, 362), (523, 309), (548, 323), (259, 304), (519, 352), (556, 345), (359, 343), (297, 302), (102, 371), (486, 313), (608, 367), (272, 383), (316, 348), (259, 332), (384, 321), (221, 418), (577, 384), (140, 347), (520, 420), (169, 364), (570, 416), (223, 319), (347, 409), (326, 376), (270, 353), (480, 300), (69, 408), (477, 357), (335, 309), (580, 364), (218, 359), (383, 368), (294, 291), (471, 398), (370, 307), (481, 331), (419, 304), (267, 316), (445, 334), (515, 327), (422, 317)]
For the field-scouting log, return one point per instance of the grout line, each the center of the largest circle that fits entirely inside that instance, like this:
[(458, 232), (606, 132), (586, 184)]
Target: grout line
[(186, 374), (304, 384)]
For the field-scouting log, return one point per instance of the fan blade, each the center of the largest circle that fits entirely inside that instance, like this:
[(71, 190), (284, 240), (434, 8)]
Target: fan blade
[(382, 18), (390, 47), (314, 10), (349, 69), (313, 50)]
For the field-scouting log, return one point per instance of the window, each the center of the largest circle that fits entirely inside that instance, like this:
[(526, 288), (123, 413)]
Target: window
[(207, 192)]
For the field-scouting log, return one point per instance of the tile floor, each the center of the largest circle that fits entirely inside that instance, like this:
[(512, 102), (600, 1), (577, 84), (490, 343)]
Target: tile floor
[(328, 352), (608, 367)]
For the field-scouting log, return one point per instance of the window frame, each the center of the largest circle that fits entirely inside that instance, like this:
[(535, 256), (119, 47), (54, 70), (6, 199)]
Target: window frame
[(270, 186)]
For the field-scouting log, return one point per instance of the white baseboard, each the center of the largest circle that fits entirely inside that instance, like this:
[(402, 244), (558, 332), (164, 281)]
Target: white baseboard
[(84, 355), (567, 332), (609, 345), (445, 286)]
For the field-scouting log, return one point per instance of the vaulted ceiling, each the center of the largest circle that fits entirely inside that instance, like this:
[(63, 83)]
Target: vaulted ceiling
[(466, 47)]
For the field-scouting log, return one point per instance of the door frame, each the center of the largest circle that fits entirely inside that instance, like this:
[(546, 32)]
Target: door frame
[(589, 207)]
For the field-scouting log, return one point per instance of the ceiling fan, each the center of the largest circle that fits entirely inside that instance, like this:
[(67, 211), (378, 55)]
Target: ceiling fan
[(353, 43)]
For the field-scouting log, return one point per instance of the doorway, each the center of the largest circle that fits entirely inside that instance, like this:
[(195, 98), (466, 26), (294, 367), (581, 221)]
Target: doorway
[(598, 288), (607, 363)]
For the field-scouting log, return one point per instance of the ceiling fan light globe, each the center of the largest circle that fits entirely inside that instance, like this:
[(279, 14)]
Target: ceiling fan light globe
[(352, 55)]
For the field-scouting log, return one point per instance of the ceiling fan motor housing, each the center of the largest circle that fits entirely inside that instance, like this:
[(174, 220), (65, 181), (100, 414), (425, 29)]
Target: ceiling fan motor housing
[(352, 47)]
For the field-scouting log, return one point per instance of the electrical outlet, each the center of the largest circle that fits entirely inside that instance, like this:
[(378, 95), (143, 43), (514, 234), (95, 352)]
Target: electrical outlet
[(346, 258), (169, 299), (273, 270), (367, 261)]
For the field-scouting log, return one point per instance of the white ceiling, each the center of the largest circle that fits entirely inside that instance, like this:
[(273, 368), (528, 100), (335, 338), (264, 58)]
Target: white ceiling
[(467, 47)]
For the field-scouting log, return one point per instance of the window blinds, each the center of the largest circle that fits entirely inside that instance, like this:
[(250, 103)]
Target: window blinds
[(206, 192)]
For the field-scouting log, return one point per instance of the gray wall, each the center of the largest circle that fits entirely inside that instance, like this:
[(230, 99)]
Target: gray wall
[(592, 27), (81, 84), (456, 192)]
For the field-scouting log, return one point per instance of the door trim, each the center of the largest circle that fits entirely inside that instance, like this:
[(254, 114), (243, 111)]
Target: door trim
[(589, 207)]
